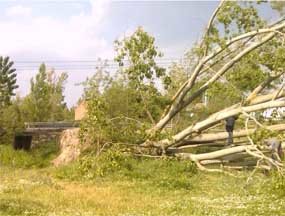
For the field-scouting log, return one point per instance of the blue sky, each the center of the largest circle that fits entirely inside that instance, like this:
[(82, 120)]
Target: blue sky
[(45, 30)]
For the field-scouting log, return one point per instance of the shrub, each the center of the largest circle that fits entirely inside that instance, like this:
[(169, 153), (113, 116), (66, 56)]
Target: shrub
[(112, 164)]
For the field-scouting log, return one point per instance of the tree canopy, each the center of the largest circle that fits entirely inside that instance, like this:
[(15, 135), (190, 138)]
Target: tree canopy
[(7, 80)]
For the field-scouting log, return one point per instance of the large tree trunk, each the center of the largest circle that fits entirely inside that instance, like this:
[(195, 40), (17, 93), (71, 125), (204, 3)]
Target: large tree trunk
[(213, 119), (181, 100), (215, 154), (223, 58), (224, 157), (211, 137)]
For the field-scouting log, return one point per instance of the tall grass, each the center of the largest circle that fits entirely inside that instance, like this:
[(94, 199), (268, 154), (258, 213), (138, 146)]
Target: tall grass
[(35, 158), (118, 184)]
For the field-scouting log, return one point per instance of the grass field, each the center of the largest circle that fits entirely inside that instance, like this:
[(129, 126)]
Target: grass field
[(117, 185)]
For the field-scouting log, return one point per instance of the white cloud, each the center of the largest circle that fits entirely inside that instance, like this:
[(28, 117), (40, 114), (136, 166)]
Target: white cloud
[(77, 36), (18, 10), (49, 38)]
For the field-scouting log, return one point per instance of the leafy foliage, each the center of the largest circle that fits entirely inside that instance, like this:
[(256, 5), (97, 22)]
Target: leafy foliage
[(234, 17), (279, 6), (138, 52), (262, 134), (116, 115), (164, 173), (12, 120), (222, 95), (7, 80), (120, 108), (246, 75), (94, 128), (46, 101)]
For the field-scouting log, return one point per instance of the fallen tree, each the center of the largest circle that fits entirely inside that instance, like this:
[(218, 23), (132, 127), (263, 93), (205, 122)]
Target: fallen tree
[(235, 70), (210, 137), (213, 63), (213, 119)]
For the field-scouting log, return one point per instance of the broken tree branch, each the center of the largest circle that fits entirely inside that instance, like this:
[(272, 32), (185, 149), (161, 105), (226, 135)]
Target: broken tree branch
[(181, 102), (262, 86), (215, 118), (210, 137)]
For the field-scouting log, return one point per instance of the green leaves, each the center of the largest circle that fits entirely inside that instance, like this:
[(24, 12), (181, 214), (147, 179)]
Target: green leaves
[(46, 100), (247, 74), (7, 80), (138, 53), (261, 134), (233, 18), (242, 16)]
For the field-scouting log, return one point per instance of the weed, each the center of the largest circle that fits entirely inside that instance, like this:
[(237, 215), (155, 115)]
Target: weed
[(36, 158)]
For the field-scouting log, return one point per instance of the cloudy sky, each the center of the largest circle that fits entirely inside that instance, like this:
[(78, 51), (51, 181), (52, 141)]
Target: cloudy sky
[(64, 33)]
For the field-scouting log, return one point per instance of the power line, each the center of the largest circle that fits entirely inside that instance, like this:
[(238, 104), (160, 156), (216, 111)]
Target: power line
[(86, 61), (82, 64)]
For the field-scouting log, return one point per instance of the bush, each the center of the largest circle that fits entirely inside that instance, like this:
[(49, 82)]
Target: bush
[(112, 164), (92, 165)]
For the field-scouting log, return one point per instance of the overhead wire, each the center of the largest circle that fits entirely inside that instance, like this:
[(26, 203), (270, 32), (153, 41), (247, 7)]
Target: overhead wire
[(72, 65)]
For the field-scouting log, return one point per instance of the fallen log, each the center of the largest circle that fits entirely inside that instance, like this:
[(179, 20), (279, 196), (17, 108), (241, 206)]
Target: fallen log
[(180, 137), (227, 163), (211, 137), (215, 154)]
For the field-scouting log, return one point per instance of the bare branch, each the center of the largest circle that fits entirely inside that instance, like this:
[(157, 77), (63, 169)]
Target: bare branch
[(182, 102), (216, 154), (262, 86), (210, 23), (215, 118), (278, 92), (264, 98), (226, 67)]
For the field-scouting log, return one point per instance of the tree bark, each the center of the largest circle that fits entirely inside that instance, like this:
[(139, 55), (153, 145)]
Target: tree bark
[(262, 86), (210, 137), (213, 119), (181, 102), (216, 154)]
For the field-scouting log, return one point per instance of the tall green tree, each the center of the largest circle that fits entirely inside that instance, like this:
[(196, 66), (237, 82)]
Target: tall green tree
[(7, 80), (137, 56), (138, 53), (46, 100), (12, 120), (7, 87)]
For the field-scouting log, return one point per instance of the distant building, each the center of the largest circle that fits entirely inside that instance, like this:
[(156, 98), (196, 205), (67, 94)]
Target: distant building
[(80, 111)]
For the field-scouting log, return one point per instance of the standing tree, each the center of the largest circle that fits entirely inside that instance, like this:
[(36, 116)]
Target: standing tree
[(7, 80), (7, 84), (46, 101), (138, 53)]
